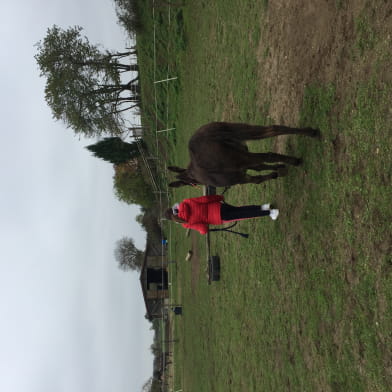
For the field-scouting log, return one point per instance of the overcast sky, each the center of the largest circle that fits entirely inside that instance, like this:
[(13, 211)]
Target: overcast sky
[(70, 320)]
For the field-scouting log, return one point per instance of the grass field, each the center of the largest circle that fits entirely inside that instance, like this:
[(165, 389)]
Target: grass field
[(305, 303)]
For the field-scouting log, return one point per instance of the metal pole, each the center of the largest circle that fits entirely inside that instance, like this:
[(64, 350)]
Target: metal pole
[(166, 130), (165, 80)]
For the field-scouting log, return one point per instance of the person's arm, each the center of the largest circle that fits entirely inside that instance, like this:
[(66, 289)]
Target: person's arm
[(200, 227)]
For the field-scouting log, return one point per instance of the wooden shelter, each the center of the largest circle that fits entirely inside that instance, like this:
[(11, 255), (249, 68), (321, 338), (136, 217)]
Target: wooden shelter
[(154, 280)]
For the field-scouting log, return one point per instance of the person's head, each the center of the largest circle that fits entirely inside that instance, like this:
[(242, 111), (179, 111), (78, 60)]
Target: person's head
[(169, 214)]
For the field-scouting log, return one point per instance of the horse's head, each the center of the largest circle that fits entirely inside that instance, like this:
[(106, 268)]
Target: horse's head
[(183, 177)]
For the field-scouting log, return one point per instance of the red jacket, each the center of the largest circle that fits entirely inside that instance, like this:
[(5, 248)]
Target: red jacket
[(199, 212)]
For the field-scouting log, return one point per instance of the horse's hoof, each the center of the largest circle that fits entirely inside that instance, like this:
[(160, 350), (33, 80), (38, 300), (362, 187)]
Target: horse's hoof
[(298, 162), (282, 171), (316, 133)]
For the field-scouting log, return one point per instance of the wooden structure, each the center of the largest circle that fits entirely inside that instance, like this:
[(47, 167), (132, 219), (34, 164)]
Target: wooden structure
[(154, 280)]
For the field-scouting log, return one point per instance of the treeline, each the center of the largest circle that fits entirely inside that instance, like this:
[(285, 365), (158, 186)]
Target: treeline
[(93, 91), (158, 382)]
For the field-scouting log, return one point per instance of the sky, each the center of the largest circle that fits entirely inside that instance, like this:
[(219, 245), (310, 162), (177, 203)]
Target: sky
[(70, 319)]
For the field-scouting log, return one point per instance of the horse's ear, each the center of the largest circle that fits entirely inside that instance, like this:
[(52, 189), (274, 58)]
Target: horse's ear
[(176, 169), (177, 184)]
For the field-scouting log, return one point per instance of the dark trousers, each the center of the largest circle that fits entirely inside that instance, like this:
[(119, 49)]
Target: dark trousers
[(229, 212)]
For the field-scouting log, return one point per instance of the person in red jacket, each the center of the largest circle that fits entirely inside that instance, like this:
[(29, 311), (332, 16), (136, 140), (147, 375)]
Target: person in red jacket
[(198, 212)]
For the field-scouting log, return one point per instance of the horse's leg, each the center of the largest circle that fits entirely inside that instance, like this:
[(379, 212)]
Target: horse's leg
[(262, 166), (258, 179), (277, 130), (280, 169), (254, 132), (271, 157)]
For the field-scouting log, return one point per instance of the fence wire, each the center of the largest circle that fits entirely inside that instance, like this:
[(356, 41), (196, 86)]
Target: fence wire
[(166, 250)]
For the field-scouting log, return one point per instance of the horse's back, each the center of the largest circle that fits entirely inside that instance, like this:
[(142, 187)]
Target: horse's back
[(218, 134), (213, 148)]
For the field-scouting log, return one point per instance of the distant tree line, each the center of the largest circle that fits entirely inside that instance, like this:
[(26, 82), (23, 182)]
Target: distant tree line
[(92, 90)]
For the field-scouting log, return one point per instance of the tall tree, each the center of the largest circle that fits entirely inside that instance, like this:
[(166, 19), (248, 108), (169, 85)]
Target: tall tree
[(127, 255), (84, 87), (114, 150), (130, 185)]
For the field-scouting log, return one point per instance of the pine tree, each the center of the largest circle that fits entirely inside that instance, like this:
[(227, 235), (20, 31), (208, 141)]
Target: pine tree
[(114, 150)]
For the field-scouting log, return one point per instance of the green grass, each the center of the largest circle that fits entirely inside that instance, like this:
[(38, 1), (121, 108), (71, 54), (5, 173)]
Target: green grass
[(366, 37), (304, 303)]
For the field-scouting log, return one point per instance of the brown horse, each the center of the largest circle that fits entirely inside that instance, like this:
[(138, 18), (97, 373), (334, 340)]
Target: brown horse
[(219, 155)]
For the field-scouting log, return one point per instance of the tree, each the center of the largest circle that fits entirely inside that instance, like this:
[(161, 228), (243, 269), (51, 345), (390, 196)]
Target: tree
[(128, 14), (147, 385), (149, 220), (84, 87), (127, 255), (114, 150), (131, 187)]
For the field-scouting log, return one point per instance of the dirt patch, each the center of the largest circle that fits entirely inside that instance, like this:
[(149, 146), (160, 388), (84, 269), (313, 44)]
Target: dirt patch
[(306, 42), (339, 150), (350, 273), (314, 42), (195, 261), (229, 109), (318, 42)]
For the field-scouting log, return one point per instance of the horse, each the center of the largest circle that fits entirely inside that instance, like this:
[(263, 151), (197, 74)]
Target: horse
[(219, 155)]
